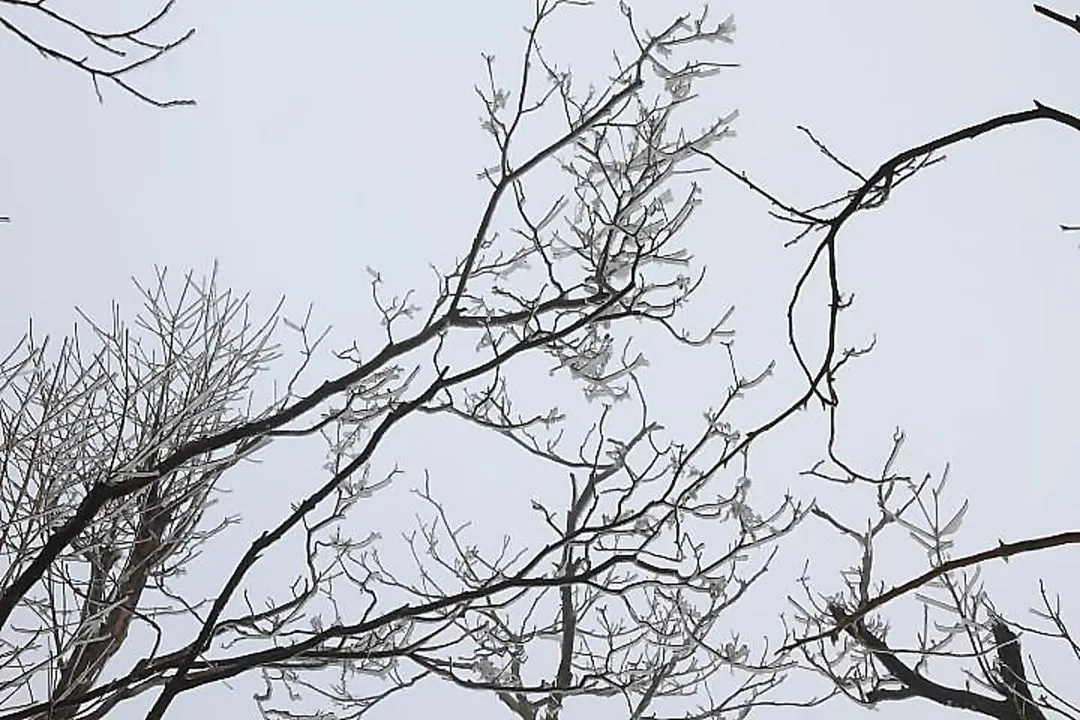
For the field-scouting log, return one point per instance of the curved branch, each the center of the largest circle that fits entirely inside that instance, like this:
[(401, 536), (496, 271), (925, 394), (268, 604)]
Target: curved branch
[(114, 44)]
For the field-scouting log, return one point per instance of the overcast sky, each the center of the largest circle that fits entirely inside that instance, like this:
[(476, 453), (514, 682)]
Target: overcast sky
[(329, 137)]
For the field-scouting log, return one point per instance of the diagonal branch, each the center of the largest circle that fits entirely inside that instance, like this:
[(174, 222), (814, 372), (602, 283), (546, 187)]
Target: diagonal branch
[(1003, 551), (1073, 22)]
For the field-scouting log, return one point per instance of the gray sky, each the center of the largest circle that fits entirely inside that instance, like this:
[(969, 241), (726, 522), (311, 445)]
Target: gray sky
[(331, 137)]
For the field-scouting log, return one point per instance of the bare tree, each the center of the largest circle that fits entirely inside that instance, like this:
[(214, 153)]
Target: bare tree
[(847, 637), (70, 417), (112, 457)]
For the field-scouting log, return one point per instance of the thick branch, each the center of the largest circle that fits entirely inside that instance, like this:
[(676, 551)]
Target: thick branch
[(1073, 22), (919, 685), (1012, 672)]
